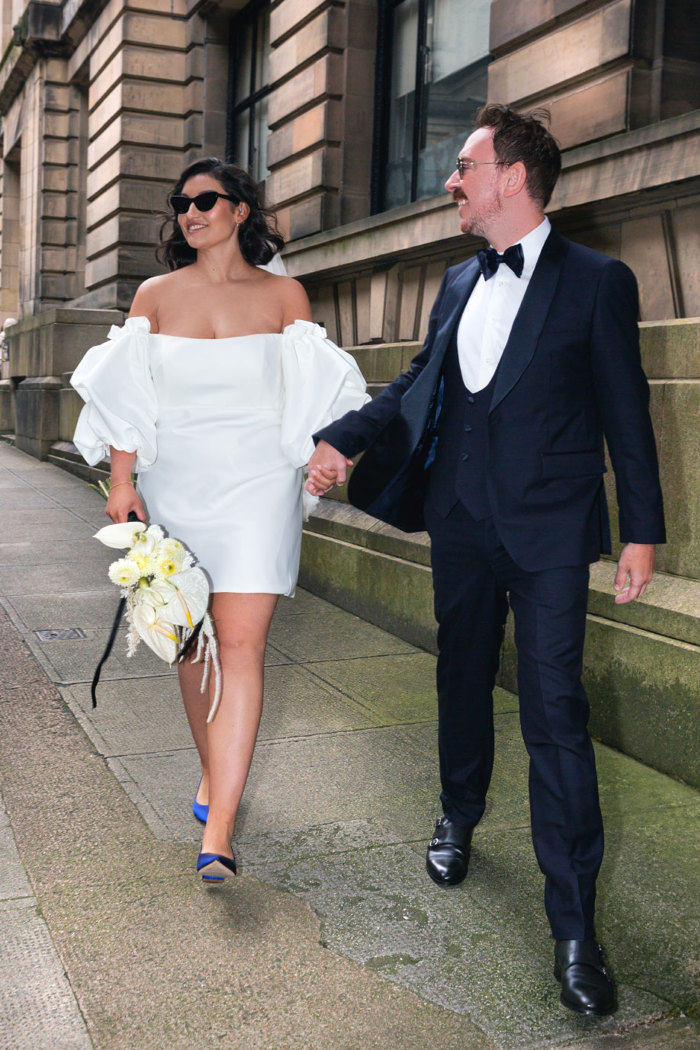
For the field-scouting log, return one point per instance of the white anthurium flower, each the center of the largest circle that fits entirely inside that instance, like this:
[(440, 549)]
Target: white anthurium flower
[(189, 604), (156, 594), (120, 535), (158, 634)]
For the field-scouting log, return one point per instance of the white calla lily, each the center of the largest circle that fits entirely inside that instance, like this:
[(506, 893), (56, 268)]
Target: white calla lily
[(158, 634), (120, 535)]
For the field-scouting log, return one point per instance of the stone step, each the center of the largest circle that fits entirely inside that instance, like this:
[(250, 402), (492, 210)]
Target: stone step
[(642, 661)]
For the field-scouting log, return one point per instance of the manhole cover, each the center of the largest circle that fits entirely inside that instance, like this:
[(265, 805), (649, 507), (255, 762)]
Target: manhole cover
[(59, 634)]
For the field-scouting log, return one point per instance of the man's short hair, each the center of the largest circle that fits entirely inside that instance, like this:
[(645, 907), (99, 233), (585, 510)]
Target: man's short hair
[(524, 137)]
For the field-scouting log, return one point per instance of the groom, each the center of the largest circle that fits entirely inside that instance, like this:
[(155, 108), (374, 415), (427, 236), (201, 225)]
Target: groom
[(493, 441)]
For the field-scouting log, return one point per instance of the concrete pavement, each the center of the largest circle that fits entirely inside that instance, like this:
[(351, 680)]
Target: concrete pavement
[(333, 936)]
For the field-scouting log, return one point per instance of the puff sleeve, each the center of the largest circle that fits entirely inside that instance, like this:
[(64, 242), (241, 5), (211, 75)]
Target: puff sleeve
[(321, 383), (115, 382)]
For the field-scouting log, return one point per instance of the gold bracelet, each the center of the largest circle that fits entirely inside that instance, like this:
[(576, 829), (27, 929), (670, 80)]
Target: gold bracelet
[(112, 486)]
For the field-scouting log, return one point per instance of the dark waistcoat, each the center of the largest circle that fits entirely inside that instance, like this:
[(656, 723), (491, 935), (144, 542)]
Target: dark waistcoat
[(459, 471)]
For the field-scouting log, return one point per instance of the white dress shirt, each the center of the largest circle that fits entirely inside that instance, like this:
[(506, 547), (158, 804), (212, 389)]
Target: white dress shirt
[(490, 311)]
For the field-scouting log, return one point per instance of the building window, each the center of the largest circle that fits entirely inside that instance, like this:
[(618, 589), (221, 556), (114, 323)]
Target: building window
[(431, 79), (249, 89)]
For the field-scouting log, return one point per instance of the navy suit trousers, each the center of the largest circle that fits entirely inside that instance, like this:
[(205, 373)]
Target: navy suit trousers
[(475, 579)]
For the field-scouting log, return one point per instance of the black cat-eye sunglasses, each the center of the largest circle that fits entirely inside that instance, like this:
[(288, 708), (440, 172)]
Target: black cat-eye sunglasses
[(180, 202)]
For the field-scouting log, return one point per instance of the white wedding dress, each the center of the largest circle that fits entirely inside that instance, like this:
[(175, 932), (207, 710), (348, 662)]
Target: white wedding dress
[(221, 429)]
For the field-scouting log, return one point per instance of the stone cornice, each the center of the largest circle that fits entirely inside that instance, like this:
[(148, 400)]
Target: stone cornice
[(45, 29)]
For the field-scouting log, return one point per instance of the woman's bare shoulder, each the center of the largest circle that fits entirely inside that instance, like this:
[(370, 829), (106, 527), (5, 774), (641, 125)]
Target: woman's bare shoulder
[(151, 294), (294, 299)]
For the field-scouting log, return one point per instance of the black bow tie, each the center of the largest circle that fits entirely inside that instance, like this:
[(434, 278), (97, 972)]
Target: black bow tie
[(490, 260)]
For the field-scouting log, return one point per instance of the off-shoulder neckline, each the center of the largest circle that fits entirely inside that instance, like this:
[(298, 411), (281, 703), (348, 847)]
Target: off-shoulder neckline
[(213, 338), (220, 338)]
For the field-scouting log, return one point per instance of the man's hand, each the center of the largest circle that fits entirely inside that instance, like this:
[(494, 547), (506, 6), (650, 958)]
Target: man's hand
[(636, 564), (327, 467)]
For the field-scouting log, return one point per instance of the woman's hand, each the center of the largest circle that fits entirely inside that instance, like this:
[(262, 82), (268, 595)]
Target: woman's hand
[(327, 467), (122, 500)]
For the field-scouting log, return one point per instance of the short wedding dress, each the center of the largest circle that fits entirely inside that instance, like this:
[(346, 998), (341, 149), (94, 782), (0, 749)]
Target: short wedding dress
[(221, 429)]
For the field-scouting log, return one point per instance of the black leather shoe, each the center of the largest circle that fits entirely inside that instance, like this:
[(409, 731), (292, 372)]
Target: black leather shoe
[(586, 984), (447, 859)]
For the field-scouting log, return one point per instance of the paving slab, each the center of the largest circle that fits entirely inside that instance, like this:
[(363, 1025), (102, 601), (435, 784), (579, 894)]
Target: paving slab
[(301, 782), (310, 629), (38, 1010)]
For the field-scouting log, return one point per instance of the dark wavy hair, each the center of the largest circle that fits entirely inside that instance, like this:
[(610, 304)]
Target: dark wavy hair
[(258, 236), (524, 137)]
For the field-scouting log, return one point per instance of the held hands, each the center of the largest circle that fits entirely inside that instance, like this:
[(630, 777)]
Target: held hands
[(122, 500), (327, 467), (636, 564)]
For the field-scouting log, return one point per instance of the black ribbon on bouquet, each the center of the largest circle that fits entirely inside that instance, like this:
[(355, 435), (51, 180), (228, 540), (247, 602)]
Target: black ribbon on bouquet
[(133, 516)]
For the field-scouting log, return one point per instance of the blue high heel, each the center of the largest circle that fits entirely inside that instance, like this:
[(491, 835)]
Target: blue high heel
[(215, 868), (200, 811)]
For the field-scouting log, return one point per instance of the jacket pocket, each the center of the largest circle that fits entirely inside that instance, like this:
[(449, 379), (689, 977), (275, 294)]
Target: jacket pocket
[(572, 464)]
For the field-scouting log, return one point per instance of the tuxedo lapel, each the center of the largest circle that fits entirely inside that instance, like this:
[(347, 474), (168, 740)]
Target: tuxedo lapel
[(531, 317), (462, 287), (416, 400)]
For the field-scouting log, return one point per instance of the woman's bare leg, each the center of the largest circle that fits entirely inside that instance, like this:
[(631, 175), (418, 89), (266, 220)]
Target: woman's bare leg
[(196, 708), (242, 622)]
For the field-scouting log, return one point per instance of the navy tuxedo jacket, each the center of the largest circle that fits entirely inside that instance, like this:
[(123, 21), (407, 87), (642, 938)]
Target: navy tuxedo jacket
[(570, 374)]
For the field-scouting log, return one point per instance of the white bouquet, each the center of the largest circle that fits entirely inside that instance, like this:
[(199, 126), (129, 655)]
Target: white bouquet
[(165, 595)]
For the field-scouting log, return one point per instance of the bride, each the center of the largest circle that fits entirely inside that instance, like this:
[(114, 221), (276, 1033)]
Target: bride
[(211, 392)]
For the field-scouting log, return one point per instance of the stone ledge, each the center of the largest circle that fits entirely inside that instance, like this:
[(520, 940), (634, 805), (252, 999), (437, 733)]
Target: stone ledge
[(670, 608)]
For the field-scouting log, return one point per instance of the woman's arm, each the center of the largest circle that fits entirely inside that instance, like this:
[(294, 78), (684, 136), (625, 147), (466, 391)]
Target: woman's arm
[(122, 494)]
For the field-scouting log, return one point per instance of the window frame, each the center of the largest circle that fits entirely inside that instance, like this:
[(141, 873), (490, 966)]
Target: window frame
[(382, 90), (249, 15)]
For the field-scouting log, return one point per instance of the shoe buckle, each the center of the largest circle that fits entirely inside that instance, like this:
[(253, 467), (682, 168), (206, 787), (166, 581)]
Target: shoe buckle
[(435, 842)]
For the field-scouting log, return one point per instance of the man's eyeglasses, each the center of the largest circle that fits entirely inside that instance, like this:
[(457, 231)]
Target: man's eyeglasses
[(465, 164), (180, 202)]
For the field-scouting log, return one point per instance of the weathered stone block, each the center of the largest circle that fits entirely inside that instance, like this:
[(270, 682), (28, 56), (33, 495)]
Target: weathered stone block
[(381, 589), (7, 408), (587, 44), (671, 349), (296, 178), (644, 250), (36, 408), (645, 696), (289, 14), (591, 111), (324, 77), (512, 19), (53, 341), (314, 126), (326, 30)]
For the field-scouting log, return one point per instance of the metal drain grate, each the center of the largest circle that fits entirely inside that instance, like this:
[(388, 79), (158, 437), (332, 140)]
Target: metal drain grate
[(60, 634)]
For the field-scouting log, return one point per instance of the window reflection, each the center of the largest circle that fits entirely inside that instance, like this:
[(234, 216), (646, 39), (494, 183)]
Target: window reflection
[(437, 68)]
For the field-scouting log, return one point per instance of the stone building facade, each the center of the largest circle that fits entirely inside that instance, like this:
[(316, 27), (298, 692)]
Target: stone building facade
[(351, 111)]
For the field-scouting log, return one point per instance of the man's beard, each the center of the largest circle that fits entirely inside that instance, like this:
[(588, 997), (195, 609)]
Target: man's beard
[(481, 222)]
